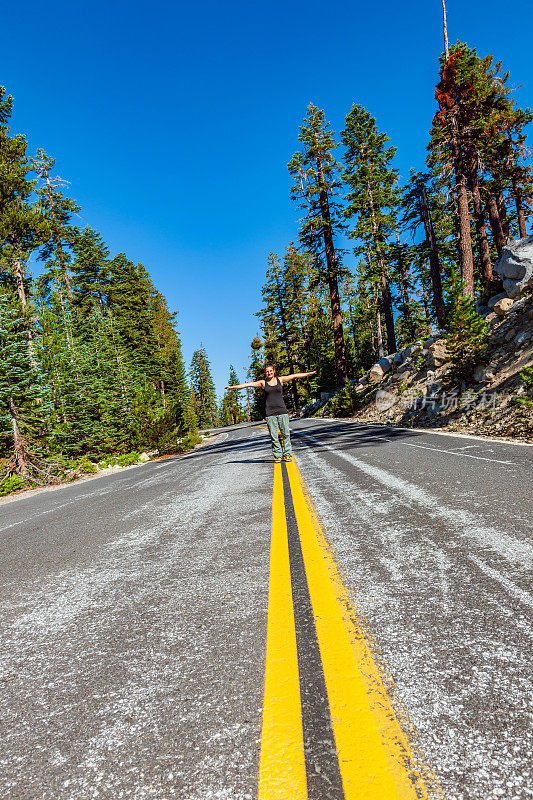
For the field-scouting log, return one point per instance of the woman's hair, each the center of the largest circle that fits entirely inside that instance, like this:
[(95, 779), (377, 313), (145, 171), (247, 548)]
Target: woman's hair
[(270, 365)]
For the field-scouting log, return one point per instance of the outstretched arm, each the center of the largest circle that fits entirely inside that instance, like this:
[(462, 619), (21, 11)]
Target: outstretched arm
[(285, 378), (254, 385)]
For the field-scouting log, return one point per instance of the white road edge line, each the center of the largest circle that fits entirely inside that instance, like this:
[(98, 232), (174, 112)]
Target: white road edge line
[(421, 430), (511, 587), (436, 449), (453, 453), (95, 490)]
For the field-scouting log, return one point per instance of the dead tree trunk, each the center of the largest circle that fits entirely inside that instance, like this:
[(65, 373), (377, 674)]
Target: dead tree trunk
[(20, 465), (502, 211), (57, 241), (445, 30), (379, 334)]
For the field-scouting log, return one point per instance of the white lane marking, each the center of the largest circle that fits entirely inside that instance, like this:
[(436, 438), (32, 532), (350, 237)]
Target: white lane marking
[(106, 491), (511, 587), (436, 449), (78, 497), (370, 438), (453, 453), (429, 431), (40, 514), (463, 522)]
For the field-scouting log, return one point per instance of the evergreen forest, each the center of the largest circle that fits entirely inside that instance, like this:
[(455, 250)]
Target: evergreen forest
[(380, 260), (91, 365)]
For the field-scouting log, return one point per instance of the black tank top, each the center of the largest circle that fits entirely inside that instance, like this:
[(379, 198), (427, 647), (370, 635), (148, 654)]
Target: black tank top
[(274, 400)]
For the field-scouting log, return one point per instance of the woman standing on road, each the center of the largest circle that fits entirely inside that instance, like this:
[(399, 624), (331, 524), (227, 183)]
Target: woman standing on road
[(277, 416)]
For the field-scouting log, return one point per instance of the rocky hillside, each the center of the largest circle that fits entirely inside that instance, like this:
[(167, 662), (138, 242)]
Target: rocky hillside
[(414, 387)]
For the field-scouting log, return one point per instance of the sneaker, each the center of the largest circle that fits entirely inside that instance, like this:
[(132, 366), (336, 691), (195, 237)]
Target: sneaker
[(277, 461), (287, 458)]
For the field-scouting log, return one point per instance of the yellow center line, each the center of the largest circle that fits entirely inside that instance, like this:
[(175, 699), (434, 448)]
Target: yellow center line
[(282, 762), (375, 758)]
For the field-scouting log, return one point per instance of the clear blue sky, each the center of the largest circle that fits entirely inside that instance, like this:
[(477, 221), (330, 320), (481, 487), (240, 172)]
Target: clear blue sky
[(174, 122)]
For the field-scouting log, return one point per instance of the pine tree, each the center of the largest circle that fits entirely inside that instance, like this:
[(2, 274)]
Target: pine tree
[(204, 389), (22, 225), (89, 269), (130, 297), (58, 210), (277, 319), (17, 389), (473, 100), (361, 313), (373, 198), (467, 338), (316, 185), (232, 401), (421, 209)]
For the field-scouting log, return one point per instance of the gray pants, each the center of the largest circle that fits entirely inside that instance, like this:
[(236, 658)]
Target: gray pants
[(278, 425)]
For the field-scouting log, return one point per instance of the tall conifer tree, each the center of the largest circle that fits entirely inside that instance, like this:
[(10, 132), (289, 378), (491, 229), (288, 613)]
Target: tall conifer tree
[(316, 187), (372, 198)]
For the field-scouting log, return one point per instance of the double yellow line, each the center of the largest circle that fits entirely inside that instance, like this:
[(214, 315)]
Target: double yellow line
[(376, 761)]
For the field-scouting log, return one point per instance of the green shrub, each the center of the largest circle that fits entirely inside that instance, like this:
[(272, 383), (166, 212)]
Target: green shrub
[(467, 338), (344, 402), (11, 484), (127, 459), (87, 466), (526, 375), (189, 442), (122, 460)]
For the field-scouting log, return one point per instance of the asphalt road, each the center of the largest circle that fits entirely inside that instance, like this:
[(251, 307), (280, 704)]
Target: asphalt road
[(134, 612)]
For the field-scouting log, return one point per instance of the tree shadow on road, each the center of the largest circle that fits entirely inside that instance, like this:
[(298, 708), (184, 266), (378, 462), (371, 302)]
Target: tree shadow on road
[(341, 435)]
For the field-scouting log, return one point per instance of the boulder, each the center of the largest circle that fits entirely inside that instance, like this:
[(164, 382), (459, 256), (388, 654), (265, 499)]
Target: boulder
[(385, 363), (493, 300), (492, 318), (397, 357), (143, 458), (502, 306), (439, 353), (522, 338), (515, 266), (479, 374), (376, 374)]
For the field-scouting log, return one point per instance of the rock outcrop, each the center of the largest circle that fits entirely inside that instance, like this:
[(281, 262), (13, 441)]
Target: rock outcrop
[(414, 387), (515, 266)]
